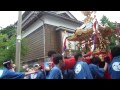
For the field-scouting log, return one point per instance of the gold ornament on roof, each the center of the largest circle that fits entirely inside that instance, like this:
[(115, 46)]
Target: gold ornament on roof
[(88, 14)]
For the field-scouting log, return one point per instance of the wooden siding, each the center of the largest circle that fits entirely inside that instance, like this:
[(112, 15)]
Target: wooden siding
[(35, 44), (59, 41), (50, 38)]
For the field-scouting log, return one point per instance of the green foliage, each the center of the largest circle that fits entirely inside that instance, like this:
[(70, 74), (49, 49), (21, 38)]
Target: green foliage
[(8, 44), (24, 47), (21, 69), (113, 39), (108, 47), (111, 25), (9, 30), (2, 47), (105, 21)]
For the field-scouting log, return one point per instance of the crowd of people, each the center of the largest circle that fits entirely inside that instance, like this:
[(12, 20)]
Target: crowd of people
[(76, 67)]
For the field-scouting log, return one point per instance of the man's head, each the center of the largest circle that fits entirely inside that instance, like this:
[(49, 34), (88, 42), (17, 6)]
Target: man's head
[(95, 60), (8, 63), (101, 56), (58, 59), (51, 53), (25, 67), (107, 59), (115, 51), (36, 67), (78, 56)]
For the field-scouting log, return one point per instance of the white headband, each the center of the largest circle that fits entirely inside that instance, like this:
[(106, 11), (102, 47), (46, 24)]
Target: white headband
[(6, 62), (36, 65)]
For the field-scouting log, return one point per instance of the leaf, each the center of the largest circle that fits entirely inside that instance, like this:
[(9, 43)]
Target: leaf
[(104, 20), (8, 44)]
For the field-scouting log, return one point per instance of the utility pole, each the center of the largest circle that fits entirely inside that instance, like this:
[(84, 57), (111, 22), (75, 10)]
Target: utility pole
[(18, 41)]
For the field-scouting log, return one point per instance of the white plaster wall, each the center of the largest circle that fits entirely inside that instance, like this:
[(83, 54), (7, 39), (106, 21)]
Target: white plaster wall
[(60, 22), (32, 28), (52, 20)]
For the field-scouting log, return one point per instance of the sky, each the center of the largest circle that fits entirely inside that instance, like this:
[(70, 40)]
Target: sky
[(112, 15), (10, 17)]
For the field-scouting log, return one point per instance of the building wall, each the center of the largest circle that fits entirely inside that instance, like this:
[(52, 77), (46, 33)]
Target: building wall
[(59, 41), (55, 21), (49, 38), (35, 44), (32, 28), (52, 39), (51, 20)]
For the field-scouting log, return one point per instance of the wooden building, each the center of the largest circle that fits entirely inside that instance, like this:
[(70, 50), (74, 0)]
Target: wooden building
[(44, 31)]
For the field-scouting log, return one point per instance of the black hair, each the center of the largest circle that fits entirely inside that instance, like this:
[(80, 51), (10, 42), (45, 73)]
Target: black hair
[(7, 62), (57, 58), (36, 66), (51, 52), (65, 57), (95, 60), (40, 68), (115, 51), (77, 55), (102, 64), (107, 59)]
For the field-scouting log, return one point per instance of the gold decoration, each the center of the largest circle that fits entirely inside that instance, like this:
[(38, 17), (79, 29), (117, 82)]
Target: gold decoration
[(81, 35), (88, 14)]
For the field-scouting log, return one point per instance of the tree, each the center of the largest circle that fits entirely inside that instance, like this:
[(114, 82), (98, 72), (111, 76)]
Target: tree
[(8, 44), (2, 47), (9, 30), (105, 21)]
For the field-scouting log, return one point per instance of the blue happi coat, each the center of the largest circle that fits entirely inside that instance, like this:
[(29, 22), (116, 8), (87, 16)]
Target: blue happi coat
[(46, 72), (114, 68), (96, 71), (38, 75), (82, 71), (9, 74), (55, 73), (68, 74)]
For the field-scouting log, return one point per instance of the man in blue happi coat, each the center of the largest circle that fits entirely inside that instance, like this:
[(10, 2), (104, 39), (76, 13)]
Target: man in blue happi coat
[(114, 65), (47, 63), (96, 71), (68, 74), (81, 69), (7, 73), (56, 72)]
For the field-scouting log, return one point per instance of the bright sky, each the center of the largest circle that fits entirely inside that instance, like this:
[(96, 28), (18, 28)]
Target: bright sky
[(10, 17), (112, 15)]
